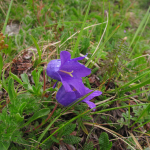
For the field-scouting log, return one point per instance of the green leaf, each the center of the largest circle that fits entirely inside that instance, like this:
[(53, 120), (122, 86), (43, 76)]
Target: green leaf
[(11, 90), (39, 89), (1, 65), (36, 76), (39, 114), (28, 87), (75, 12), (16, 78), (24, 78), (34, 89), (38, 49), (26, 83), (50, 89), (104, 142), (88, 146), (71, 139), (4, 82), (4, 145), (21, 108), (55, 140), (69, 129), (18, 118)]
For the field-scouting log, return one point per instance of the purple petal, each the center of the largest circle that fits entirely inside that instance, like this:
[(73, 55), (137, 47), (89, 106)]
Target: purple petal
[(64, 56), (66, 86), (78, 58), (76, 83), (91, 104), (65, 98), (79, 70), (55, 84), (92, 95), (53, 68)]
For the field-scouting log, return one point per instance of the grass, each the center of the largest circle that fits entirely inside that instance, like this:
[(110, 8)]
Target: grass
[(115, 35)]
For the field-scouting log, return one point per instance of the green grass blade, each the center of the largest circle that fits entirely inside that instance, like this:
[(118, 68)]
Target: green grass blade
[(6, 20), (102, 47), (134, 80), (47, 128), (80, 34), (114, 108), (139, 29), (137, 86), (142, 124), (124, 98), (38, 49), (147, 19)]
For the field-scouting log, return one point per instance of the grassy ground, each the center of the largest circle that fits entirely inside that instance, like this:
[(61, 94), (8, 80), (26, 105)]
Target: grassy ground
[(115, 34)]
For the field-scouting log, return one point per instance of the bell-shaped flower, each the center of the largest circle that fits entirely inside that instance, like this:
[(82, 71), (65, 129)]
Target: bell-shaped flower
[(68, 71), (67, 98)]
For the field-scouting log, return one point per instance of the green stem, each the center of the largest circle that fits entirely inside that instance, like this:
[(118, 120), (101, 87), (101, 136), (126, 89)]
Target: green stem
[(6, 20)]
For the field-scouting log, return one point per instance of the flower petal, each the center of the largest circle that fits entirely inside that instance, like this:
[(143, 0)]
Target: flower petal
[(78, 58), (92, 95), (79, 70), (91, 104), (53, 68), (66, 86), (64, 56), (55, 84), (76, 83), (65, 98)]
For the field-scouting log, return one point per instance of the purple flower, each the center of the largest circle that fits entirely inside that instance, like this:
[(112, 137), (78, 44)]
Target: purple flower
[(67, 98), (68, 71)]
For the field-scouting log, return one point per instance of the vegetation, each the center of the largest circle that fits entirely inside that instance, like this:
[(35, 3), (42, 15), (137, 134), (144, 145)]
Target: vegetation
[(114, 34)]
